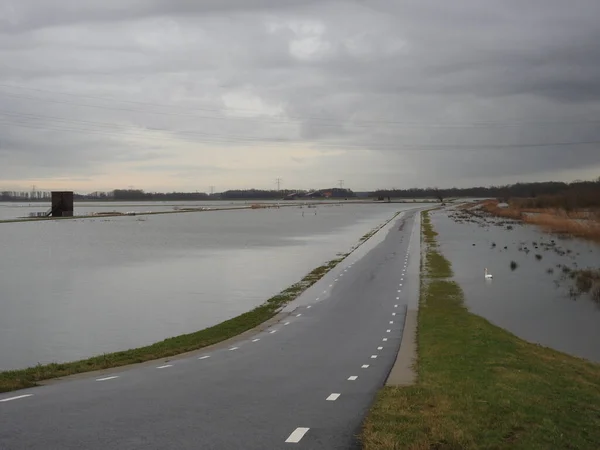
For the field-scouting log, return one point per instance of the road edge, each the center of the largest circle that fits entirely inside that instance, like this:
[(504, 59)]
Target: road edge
[(403, 371)]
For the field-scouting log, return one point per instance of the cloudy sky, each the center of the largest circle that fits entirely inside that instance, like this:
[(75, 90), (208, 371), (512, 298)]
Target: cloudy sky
[(169, 95)]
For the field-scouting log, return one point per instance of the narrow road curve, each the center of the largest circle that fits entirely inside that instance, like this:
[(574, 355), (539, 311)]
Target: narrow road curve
[(306, 382)]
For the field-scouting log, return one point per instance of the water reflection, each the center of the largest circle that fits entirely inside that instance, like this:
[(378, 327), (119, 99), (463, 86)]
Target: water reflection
[(77, 288), (527, 296)]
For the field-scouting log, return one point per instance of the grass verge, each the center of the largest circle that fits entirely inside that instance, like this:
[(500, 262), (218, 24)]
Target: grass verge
[(481, 387), (25, 378)]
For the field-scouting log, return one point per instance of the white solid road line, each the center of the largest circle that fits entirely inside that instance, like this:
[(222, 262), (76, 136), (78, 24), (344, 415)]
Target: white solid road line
[(333, 397), (296, 435), (165, 366), (256, 340), (10, 399), (353, 378), (107, 378), (365, 366), (204, 357)]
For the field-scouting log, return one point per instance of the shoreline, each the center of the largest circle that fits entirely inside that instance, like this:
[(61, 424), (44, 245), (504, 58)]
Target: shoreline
[(480, 386), (219, 334)]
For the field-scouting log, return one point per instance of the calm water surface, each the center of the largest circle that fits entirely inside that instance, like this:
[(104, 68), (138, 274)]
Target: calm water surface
[(528, 301), (77, 288)]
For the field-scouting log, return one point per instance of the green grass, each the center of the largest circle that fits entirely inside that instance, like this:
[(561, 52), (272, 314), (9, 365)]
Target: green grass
[(20, 379), (481, 387)]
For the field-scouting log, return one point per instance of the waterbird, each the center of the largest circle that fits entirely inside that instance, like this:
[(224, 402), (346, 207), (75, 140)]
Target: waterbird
[(487, 274)]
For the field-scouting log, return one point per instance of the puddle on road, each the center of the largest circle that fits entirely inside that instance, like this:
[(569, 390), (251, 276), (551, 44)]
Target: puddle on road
[(529, 292)]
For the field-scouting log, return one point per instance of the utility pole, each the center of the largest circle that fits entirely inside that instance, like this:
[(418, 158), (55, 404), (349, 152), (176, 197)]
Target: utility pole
[(341, 183), (212, 190), (278, 181)]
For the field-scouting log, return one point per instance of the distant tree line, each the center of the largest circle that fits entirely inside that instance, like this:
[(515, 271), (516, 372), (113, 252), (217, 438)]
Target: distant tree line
[(583, 189), (257, 194), (578, 194)]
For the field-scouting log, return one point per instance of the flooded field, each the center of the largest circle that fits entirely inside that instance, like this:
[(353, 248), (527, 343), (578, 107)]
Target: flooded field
[(15, 210), (531, 293), (77, 288)]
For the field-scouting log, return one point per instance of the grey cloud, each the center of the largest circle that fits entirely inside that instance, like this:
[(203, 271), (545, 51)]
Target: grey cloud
[(19, 16), (370, 77)]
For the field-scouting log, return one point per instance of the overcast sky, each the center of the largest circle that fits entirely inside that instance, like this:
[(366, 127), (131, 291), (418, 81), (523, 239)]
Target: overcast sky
[(184, 94)]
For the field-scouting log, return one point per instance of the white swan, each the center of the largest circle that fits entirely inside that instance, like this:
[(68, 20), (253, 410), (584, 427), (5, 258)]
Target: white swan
[(487, 274)]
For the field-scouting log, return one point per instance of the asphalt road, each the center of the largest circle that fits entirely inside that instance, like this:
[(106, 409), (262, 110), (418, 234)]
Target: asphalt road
[(305, 382)]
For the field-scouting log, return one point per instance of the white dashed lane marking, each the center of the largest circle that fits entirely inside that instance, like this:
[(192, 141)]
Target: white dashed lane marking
[(379, 348), (384, 339), (204, 357), (165, 366), (233, 348), (365, 366), (353, 378), (287, 323), (297, 435), (373, 356), (333, 397), (107, 378), (256, 340), (18, 397), (273, 331)]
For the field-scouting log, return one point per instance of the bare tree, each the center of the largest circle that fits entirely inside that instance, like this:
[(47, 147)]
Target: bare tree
[(439, 194)]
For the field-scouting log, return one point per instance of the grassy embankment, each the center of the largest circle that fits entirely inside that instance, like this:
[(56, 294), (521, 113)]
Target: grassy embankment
[(20, 379), (481, 387), (552, 215)]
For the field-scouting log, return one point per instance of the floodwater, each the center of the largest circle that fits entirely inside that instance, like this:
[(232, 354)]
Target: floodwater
[(15, 210), (78, 288), (532, 300)]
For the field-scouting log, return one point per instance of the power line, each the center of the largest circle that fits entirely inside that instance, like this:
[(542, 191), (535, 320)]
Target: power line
[(223, 139), (320, 121), (278, 181)]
